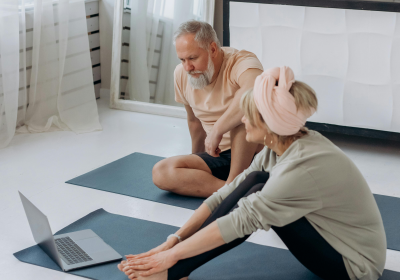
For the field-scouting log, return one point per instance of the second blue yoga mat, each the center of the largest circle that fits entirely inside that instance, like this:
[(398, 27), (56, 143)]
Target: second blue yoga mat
[(131, 176), (132, 236)]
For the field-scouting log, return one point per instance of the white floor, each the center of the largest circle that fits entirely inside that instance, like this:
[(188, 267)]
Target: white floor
[(39, 164)]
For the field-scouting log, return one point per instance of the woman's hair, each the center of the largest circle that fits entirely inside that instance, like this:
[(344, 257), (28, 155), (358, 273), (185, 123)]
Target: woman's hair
[(305, 99)]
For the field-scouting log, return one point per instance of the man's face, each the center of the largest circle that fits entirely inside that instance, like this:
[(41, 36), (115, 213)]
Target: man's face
[(195, 60)]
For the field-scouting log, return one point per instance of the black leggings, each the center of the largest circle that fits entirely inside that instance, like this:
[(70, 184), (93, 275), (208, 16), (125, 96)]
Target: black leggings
[(305, 243)]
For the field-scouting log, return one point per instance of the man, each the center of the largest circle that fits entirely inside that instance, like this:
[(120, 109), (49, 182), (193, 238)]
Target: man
[(209, 82)]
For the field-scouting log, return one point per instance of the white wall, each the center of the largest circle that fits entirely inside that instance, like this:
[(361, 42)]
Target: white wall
[(106, 34)]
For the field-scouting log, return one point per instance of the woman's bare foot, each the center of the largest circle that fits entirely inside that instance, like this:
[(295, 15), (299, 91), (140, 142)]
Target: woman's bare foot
[(135, 275)]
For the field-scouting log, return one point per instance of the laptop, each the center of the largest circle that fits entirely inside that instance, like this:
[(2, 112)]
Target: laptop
[(71, 250)]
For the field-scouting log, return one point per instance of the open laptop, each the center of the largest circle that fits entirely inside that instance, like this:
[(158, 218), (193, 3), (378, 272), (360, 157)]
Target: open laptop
[(71, 250)]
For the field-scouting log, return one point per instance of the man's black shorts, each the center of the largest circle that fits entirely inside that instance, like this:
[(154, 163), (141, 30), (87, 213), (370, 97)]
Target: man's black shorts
[(220, 166)]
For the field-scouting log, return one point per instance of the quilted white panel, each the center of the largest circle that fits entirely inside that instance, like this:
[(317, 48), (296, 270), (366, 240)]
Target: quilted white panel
[(350, 57)]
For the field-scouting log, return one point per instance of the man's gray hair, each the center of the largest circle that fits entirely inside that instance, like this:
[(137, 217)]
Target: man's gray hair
[(204, 33)]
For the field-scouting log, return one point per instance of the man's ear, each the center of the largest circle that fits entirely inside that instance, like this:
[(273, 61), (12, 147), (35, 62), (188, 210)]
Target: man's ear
[(214, 49)]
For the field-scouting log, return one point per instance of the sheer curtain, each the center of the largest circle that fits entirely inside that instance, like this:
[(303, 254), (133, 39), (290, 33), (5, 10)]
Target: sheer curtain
[(52, 70), (9, 69), (149, 19)]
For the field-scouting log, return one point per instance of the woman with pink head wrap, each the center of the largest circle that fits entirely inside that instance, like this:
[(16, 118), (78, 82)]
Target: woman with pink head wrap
[(301, 185)]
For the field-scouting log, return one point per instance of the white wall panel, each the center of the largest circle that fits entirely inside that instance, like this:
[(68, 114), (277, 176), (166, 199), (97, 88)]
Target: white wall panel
[(369, 58), (396, 104), (282, 51), (244, 10), (368, 105), (247, 38), (350, 57), (395, 60), (328, 21), (280, 15), (370, 22), (330, 99), (330, 58)]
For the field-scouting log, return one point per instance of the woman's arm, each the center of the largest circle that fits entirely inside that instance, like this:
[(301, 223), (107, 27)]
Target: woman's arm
[(187, 230), (202, 241), (195, 222)]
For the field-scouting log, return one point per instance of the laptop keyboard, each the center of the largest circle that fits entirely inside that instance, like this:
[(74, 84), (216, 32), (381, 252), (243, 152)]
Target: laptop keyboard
[(70, 252)]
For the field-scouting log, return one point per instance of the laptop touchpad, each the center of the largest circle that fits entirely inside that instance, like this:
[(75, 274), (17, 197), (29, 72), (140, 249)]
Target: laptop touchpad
[(92, 245)]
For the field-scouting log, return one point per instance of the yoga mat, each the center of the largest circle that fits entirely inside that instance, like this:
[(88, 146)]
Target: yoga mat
[(129, 235), (132, 176)]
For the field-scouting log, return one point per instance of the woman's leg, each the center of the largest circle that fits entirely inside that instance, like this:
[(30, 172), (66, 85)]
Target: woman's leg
[(254, 182), (312, 250), (303, 241)]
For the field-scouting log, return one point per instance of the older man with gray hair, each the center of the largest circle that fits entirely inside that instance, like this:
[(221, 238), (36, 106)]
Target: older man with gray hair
[(209, 82)]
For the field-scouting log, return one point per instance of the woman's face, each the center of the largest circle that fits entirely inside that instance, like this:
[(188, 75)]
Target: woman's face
[(254, 134)]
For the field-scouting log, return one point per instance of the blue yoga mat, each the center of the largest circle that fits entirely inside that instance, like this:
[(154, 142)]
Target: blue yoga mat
[(131, 176), (132, 236)]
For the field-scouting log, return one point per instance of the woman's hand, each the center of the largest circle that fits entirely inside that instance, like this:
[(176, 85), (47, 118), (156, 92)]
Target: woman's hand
[(171, 242), (154, 264)]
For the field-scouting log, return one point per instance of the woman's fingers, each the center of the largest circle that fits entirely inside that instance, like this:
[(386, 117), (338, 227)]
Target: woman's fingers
[(142, 266), (149, 272), (138, 262), (138, 256)]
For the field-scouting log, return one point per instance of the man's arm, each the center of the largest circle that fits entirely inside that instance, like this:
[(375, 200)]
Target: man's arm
[(233, 115), (196, 130)]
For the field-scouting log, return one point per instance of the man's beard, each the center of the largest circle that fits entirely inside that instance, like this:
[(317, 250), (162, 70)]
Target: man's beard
[(205, 77)]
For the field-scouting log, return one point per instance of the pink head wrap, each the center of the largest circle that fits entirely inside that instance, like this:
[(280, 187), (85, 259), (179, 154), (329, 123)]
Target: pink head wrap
[(276, 104)]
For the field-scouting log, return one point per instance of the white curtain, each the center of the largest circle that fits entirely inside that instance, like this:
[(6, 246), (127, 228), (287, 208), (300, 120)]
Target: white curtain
[(9, 69), (152, 19), (57, 90)]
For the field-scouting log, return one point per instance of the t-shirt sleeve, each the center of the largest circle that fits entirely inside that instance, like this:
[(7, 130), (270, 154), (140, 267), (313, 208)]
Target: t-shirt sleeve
[(282, 201), (245, 61), (179, 96)]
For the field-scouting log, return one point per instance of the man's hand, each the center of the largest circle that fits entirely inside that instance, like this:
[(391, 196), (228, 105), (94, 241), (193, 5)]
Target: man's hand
[(212, 142)]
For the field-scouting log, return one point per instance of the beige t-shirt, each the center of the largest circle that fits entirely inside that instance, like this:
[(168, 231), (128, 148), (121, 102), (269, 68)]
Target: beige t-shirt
[(210, 103), (314, 179)]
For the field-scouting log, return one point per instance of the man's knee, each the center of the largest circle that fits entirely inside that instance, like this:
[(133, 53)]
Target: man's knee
[(258, 177), (161, 173)]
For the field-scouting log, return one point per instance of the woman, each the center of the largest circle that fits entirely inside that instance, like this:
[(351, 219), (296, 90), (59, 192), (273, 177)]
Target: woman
[(300, 185)]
